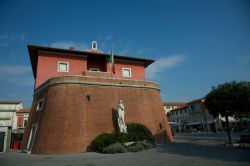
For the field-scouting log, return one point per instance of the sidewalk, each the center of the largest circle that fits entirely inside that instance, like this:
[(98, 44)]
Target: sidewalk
[(173, 154)]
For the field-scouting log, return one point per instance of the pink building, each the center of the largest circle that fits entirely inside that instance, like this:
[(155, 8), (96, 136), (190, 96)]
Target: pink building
[(50, 62)]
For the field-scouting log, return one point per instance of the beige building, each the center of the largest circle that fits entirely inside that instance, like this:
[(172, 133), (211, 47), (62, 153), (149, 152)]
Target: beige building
[(192, 116), (172, 105), (8, 111), (8, 123), (199, 117)]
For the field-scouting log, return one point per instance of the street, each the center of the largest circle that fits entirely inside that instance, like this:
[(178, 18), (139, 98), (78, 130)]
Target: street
[(208, 138), (188, 149)]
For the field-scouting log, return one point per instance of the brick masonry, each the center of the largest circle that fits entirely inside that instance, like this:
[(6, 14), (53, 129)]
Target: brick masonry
[(77, 109)]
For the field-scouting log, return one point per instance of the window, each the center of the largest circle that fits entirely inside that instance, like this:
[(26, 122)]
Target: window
[(126, 72), (25, 122), (192, 108), (40, 105), (63, 67)]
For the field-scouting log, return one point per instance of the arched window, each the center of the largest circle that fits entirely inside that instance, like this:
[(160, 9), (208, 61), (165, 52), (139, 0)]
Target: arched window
[(94, 45)]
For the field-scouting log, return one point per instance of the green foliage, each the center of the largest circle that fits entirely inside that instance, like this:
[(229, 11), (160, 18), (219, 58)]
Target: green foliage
[(104, 140), (139, 132), (107, 142), (146, 145), (115, 148), (135, 147), (139, 146), (229, 98)]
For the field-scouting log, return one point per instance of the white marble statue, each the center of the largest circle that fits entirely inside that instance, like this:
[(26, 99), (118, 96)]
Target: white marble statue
[(120, 116)]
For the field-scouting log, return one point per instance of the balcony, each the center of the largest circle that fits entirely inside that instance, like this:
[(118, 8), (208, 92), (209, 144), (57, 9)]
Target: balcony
[(98, 74), (97, 79)]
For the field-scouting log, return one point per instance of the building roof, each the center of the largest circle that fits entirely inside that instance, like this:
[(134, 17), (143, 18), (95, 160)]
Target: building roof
[(179, 108), (195, 100), (174, 103), (33, 53), (10, 102), (25, 110)]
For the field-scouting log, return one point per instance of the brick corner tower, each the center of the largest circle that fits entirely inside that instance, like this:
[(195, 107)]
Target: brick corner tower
[(76, 93)]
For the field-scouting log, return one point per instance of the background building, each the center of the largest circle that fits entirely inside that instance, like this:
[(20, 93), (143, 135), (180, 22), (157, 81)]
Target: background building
[(168, 106), (12, 124), (199, 117), (191, 117), (178, 118), (194, 117)]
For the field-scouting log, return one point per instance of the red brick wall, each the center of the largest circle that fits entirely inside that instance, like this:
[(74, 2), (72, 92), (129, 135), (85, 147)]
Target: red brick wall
[(48, 64), (74, 114)]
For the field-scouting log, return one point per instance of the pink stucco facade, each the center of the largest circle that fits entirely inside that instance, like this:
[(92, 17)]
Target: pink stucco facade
[(47, 67)]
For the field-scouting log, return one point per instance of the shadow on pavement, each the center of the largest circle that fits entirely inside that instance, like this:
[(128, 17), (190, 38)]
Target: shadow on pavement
[(211, 152)]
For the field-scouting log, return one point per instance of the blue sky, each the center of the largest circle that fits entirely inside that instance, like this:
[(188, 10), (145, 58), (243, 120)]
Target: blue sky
[(197, 44)]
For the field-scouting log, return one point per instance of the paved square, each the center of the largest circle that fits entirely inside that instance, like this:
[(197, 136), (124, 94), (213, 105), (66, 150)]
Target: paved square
[(174, 154)]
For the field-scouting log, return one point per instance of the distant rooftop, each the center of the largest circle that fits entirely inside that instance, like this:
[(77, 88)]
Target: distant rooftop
[(10, 102), (25, 110), (196, 100), (174, 103)]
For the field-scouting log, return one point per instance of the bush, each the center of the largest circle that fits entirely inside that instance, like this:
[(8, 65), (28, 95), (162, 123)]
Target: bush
[(139, 146), (115, 148), (146, 144), (103, 140), (136, 147), (139, 132)]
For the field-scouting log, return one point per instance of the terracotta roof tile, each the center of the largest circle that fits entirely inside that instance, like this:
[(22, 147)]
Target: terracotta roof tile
[(10, 102), (174, 103), (196, 100), (25, 110)]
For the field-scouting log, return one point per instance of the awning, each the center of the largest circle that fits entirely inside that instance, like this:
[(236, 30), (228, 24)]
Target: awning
[(194, 123), (230, 119), (173, 123)]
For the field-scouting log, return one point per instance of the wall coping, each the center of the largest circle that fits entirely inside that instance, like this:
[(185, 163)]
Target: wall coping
[(96, 81)]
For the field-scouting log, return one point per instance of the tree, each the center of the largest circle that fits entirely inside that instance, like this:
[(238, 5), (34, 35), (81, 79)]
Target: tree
[(229, 99)]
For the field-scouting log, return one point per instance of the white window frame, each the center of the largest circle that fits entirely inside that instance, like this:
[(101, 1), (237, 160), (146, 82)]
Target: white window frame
[(58, 66), (130, 71), (38, 107), (31, 140)]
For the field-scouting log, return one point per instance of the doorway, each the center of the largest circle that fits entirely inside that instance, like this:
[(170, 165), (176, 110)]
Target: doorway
[(32, 137), (96, 63), (2, 134)]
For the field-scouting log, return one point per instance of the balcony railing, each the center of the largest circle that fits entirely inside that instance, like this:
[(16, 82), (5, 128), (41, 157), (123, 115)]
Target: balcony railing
[(96, 74)]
